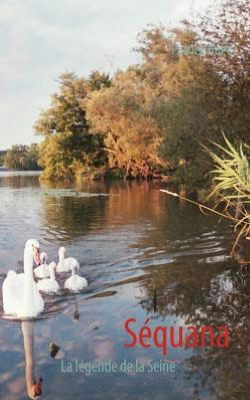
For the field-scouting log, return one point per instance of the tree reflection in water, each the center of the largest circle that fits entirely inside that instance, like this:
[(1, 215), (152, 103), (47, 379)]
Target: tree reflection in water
[(200, 300)]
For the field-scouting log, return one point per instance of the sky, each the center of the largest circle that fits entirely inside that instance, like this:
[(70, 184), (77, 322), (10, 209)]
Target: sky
[(41, 39)]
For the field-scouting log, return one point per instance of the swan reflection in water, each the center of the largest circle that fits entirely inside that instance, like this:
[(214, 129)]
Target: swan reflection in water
[(34, 385)]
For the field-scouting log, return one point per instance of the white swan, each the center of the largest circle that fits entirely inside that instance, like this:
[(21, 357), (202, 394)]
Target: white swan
[(42, 271), (66, 264), (21, 297), (49, 285), (75, 282)]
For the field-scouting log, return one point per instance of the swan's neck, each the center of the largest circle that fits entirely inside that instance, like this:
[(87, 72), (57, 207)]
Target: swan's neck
[(52, 274), (61, 258), (28, 265)]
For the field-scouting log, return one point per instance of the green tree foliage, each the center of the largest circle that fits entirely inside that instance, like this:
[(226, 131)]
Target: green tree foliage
[(68, 145), (22, 157)]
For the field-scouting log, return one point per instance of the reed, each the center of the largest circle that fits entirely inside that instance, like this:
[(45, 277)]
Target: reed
[(231, 174)]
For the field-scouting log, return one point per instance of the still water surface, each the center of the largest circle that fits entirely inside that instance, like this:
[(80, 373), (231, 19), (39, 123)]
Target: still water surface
[(144, 255)]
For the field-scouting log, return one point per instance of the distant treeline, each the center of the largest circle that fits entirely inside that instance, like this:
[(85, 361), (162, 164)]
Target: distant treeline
[(150, 119), (2, 155), (20, 157)]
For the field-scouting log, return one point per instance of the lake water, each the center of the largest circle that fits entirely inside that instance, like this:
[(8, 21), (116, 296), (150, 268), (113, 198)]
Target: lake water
[(145, 255)]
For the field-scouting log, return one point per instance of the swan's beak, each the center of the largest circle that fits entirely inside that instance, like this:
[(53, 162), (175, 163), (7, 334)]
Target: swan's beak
[(38, 388), (36, 256)]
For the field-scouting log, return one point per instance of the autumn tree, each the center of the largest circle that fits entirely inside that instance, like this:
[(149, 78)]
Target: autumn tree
[(122, 114), (226, 28), (155, 114), (199, 93), (126, 113)]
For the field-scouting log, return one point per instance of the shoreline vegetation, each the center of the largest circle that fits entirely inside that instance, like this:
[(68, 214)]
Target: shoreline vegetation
[(20, 158), (230, 193), (151, 120)]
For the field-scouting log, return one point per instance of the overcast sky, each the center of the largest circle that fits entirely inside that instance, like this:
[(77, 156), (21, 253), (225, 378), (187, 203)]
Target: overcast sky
[(40, 39)]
